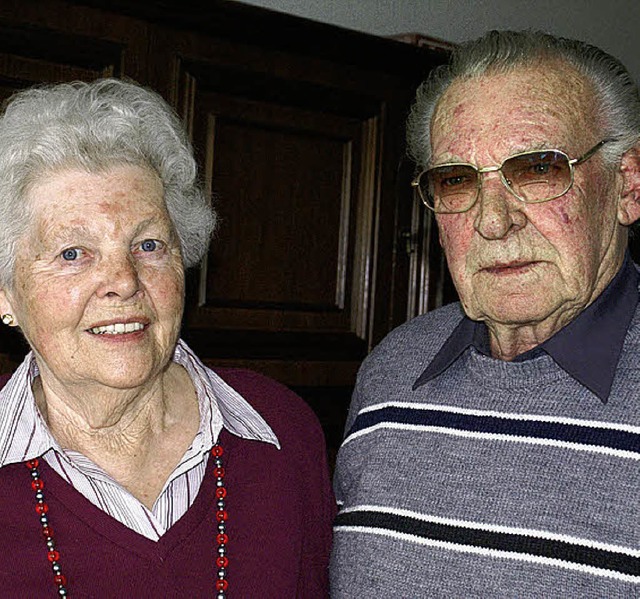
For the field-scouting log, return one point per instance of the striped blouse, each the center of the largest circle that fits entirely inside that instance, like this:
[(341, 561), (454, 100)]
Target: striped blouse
[(24, 435)]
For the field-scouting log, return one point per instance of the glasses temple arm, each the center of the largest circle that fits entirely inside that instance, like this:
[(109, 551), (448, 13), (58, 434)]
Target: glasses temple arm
[(591, 152)]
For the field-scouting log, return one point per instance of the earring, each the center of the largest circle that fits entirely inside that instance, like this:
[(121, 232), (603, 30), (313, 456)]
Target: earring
[(7, 319)]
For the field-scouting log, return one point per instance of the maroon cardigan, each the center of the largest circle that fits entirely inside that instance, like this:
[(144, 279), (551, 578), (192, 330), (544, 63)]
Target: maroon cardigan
[(280, 508)]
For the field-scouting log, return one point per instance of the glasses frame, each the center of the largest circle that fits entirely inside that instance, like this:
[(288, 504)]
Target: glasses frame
[(492, 169)]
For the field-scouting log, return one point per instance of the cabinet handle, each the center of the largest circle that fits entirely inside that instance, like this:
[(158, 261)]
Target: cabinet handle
[(409, 240)]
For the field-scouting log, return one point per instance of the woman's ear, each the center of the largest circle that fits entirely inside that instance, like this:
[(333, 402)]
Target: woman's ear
[(629, 201), (7, 315)]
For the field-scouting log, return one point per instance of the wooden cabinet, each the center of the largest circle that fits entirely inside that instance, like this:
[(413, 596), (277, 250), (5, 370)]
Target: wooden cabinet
[(299, 131)]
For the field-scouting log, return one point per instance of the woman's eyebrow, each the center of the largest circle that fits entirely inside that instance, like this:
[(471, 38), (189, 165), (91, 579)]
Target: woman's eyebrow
[(56, 234)]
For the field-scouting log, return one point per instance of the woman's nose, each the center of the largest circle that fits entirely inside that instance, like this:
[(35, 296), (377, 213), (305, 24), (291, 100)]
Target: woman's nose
[(119, 277)]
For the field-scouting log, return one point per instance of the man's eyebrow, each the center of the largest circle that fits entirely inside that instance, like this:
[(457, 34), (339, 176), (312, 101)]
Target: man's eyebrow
[(454, 160), (543, 145), (520, 149)]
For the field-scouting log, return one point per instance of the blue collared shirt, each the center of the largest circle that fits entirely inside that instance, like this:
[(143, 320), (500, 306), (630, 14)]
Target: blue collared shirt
[(588, 348)]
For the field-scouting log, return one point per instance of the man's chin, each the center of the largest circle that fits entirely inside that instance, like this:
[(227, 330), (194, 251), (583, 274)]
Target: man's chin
[(512, 309)]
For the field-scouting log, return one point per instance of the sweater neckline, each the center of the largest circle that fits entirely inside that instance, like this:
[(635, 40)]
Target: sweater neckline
[(487, 371), (130, 540)]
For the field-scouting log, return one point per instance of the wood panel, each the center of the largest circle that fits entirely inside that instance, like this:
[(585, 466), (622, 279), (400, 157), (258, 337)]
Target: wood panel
[(282, 181), (52, 41), (75, 57), (293, 167)]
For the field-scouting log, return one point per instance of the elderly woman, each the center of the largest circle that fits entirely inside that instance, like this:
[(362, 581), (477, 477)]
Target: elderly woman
[(128, 468)]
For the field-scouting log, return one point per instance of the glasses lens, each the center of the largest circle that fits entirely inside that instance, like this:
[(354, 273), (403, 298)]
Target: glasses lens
[(450, 188), (538, 176)]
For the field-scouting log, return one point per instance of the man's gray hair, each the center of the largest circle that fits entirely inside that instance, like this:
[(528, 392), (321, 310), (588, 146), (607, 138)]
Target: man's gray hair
[(508, 51), (93, 127)]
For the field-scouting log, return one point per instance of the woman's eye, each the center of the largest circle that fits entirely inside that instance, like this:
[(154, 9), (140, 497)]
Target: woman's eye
[(150, 245), (71, 254)]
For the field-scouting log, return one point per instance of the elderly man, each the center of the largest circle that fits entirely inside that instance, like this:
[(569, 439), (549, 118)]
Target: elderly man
[(493, 446)]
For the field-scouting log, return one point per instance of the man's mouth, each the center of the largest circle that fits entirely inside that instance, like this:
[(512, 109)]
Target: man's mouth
[(118, 328), (516, 266)]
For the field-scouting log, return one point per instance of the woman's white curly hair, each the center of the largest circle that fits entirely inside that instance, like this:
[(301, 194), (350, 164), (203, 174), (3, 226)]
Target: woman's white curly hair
[(95, 126)]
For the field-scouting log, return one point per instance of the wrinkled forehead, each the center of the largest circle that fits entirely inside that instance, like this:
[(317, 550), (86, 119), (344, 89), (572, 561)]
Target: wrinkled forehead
[(548, 103)]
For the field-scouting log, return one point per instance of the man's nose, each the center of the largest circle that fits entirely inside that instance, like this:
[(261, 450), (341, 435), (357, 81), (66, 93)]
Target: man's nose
[(498, 212)]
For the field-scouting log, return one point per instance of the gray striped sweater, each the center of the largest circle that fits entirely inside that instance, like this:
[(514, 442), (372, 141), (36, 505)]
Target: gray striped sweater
[(495, 479)]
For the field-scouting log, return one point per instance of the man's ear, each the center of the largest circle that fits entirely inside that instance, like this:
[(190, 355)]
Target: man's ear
[(629, 201)]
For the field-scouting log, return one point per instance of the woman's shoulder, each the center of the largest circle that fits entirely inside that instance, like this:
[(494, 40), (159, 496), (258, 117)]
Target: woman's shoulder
[(283, 409)]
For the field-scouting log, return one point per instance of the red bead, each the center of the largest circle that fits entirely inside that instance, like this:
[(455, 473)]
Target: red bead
[(221, 515), (53, 556)]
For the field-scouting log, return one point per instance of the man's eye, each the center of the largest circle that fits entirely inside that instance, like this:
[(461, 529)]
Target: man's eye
[(541, 168), (453, 181), (71, 254)]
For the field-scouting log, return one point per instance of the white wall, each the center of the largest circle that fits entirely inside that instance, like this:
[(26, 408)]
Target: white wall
[(614, 25)]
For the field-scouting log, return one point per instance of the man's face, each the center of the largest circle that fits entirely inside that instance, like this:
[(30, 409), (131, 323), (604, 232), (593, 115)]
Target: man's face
[(519, 264)]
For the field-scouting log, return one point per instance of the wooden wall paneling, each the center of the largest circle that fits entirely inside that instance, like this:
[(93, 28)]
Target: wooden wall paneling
[(430, 285), (267, 30), (292, 185), (418, 258), (423, 264), (63, 42), (26, 57), (391, 274), (271, 182), (366, 240), (253, 109)]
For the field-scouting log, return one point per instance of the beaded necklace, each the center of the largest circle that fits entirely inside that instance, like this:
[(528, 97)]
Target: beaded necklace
[(53, 555)]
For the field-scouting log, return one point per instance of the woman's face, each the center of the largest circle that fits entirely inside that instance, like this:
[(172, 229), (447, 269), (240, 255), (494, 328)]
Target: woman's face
[(99, 282)]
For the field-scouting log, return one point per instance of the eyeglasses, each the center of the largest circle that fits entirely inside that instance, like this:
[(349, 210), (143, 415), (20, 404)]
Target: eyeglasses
[(532, 177)]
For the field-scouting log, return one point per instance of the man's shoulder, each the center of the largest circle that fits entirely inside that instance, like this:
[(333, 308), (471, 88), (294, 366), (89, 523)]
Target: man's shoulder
[(426, 332), (408, 349)]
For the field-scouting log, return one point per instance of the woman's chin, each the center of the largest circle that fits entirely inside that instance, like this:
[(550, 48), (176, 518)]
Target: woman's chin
[(132, 376)]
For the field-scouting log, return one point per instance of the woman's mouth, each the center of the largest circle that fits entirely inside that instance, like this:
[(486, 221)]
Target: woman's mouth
[(118, 328)]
